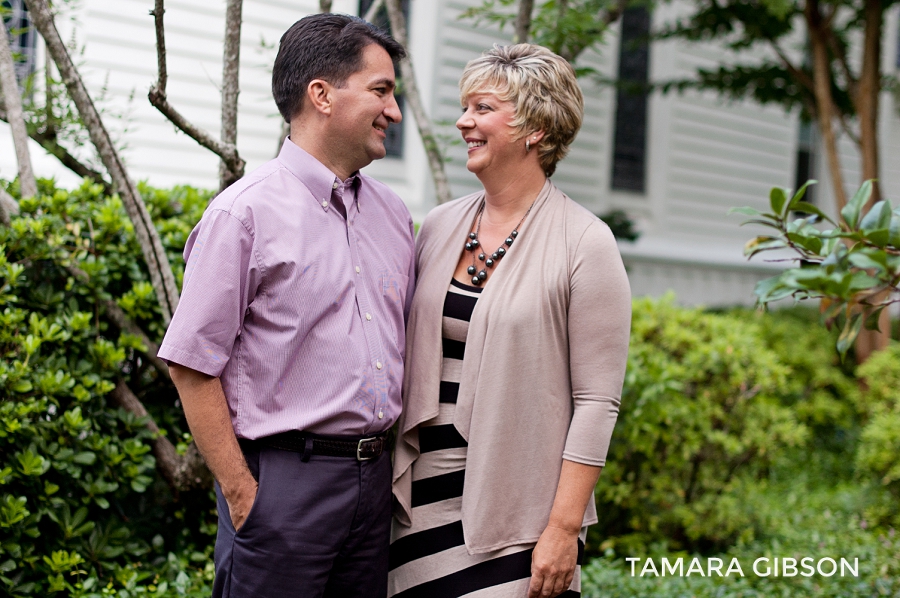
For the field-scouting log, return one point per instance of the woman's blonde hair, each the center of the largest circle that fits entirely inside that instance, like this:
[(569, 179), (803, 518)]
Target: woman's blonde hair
[(543, 88)]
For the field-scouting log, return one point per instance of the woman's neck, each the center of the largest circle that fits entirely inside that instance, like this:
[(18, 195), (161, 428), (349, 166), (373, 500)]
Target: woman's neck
[(507, 198)]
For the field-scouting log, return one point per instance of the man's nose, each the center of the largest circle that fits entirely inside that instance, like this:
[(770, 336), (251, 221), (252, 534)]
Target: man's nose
[(392, 111)]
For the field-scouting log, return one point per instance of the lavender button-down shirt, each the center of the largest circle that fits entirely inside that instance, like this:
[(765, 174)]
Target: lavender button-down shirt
[(296, 291)]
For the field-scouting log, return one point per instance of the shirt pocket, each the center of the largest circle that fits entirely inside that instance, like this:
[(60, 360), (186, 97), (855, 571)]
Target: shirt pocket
[(393, 294)]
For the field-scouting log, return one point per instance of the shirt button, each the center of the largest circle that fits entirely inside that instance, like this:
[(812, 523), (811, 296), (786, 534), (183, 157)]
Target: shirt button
[(378, 365), (381, 415), (324, 204), (368, 316), (334, 185), (357, 269)]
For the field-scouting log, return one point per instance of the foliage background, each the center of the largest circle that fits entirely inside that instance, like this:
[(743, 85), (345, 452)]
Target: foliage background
[(741, 433)]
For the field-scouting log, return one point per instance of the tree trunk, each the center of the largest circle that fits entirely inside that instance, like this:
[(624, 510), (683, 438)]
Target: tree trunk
[(181, 472), (16, 117), (866, 104), (824, 102), (523, 21), (868, 90), (231, 64), (411, 91), (161, 275), (324, 5)]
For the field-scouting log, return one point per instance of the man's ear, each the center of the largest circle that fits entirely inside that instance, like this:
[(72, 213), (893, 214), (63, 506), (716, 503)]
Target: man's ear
[(319, 94)]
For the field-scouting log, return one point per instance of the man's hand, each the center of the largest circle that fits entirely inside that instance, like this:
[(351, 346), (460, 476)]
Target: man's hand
[(240, 501), (553, 562)]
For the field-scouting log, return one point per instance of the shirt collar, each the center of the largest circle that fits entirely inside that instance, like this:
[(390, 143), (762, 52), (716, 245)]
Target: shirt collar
[(317, 177)]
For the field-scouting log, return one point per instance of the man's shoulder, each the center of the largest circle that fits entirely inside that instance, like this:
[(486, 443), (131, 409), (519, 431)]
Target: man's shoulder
[(249, 188), (384, 193)]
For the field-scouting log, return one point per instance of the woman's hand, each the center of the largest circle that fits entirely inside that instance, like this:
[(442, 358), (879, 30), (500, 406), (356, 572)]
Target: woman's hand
[(553, 562)]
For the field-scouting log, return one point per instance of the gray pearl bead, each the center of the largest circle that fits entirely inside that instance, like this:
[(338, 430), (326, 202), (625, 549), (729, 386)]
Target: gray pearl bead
[(476, 281), (509, 241), (501, 251), (482, 275), (471, 270), (489, 262), (481, 256)]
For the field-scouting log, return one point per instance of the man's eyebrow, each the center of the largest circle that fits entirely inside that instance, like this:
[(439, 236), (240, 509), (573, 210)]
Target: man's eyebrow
[(383, 82)]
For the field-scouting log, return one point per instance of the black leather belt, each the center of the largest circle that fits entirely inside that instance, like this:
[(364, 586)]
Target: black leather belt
[(362, 449)]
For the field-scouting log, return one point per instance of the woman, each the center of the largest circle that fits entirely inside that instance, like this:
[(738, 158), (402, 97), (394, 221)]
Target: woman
[(516, 350)]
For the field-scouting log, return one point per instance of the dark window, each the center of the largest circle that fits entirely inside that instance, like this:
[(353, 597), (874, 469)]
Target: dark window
[(630, 140), (393, 143), (23, 37), (806, 158)]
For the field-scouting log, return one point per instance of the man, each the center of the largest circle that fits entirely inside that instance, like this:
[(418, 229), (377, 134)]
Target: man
[(287, 345)]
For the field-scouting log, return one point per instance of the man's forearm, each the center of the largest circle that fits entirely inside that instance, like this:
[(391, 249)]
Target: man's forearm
[(206, 410)]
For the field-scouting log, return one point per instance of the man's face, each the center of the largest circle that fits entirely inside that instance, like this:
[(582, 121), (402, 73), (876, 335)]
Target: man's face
[(363, 108)]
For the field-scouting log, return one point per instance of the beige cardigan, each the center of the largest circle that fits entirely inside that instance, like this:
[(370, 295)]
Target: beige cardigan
[(543, 368)]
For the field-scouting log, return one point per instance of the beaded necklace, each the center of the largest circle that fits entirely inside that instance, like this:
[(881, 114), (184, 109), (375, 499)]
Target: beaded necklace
[(479, 276)]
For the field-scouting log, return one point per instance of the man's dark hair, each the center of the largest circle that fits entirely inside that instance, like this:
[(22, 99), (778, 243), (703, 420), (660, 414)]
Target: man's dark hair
[(323, 46)]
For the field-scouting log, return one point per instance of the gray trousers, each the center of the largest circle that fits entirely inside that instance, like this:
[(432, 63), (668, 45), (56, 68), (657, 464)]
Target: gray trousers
[(317, 529)]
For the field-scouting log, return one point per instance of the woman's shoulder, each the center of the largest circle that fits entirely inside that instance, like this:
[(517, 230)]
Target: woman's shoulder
[(584, 225)]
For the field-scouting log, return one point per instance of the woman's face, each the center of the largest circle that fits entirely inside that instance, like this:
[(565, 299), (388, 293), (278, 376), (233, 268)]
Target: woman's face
[(486, 127)]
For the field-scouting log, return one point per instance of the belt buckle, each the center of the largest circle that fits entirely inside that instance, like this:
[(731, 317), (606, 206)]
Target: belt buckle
[(359, 448)]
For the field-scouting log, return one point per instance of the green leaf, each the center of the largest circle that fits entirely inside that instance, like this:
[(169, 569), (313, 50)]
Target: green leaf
[(849, 333), (22, 386), (808, 208), (878, 217), (864, 260), (894, 230), (777, 199), (745, 210), (851, 211), (85, 458), (763, 243), (879, 237), (872, 320), (798, 196)]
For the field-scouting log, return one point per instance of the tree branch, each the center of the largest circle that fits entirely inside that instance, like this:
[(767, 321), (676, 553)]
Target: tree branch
[(411, 91), (523, 21), (48, 140), (180, 472), (15, 116), (373, 10), (161, 275), (231, 64), (841, 55), (157, 96), (126, 324), (8, 207)]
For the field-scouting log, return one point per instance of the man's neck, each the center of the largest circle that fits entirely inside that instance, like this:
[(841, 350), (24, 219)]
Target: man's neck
[(309, 139)]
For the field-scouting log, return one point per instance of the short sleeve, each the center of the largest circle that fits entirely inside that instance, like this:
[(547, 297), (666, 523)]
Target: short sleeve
[(220, 281)]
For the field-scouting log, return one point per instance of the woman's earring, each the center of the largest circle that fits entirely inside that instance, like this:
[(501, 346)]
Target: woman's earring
[(527, 146)]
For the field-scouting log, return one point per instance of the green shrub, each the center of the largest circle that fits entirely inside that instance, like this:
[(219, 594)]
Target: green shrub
[(82, 509), (702, 417), (879, 449), (814, 519)]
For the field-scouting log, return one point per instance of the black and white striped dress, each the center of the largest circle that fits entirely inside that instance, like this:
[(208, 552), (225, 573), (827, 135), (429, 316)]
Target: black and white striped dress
[(429, 559)]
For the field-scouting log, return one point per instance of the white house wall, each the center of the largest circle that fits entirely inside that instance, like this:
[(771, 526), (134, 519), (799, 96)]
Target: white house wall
[(704, 154)]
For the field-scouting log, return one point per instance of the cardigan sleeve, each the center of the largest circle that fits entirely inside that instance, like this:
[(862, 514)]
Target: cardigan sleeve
[(599, 322)]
